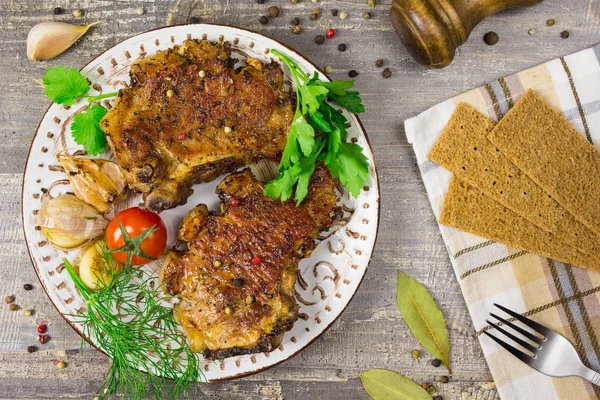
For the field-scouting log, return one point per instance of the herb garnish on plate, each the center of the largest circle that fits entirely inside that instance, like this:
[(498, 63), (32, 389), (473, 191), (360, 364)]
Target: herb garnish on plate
[(318, 132)]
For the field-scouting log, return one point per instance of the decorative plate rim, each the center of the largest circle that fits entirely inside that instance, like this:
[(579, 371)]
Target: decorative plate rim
[(375, 173)]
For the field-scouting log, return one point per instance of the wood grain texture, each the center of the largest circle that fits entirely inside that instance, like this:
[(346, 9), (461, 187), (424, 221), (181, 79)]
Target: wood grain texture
[(370, 333)]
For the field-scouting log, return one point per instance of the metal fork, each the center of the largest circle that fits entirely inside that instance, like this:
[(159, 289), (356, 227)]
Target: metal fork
[(550, 353)]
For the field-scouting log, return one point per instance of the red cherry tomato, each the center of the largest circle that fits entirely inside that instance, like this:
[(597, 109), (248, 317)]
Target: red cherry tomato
[(330, 33), (136, 221)]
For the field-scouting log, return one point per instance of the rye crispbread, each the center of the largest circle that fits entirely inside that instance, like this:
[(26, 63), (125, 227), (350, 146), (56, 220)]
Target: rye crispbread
[(468, 209), (546, 147), (464, 149)]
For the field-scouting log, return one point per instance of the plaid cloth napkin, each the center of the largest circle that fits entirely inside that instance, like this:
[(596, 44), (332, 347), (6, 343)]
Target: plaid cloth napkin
[(565, 298)]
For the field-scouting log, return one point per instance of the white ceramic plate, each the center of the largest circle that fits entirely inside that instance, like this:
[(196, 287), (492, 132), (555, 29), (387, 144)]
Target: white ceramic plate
[(326, 281)]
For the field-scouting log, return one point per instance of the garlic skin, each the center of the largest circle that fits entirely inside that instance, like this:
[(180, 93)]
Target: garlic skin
[(69, 222), (99, 183), (48, 39)]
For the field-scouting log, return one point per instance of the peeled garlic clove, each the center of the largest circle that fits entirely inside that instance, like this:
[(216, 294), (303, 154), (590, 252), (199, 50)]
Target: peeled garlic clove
[(46, 40), (69, 222), (99, 183)]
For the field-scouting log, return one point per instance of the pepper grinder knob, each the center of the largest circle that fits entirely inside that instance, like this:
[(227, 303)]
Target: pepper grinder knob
[(432, 30)]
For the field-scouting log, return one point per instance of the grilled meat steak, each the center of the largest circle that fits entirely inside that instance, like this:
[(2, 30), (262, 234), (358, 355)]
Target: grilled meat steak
[(189, 116), (236, 279)]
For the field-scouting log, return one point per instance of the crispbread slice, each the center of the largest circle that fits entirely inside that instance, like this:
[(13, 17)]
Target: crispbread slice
[(463, 149), (469, 210), (546, 147)]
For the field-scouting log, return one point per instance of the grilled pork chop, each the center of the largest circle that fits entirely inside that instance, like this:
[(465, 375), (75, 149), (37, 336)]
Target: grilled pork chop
[(236, 279), (188, 117)]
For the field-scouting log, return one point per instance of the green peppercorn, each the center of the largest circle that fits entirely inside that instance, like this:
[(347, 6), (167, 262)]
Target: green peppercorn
[(491, 38), (328, 69), (416, 354), (550, 22), (343, 15), (61, 365), (444, 379), (367, 15), (294, 1), (319, 39), (29, 313), (431, 389), (564, 34), (140, 11), (531, 31), (371, 3), (250, 299)]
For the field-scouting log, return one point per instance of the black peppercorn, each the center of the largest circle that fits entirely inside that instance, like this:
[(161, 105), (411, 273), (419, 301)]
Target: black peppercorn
[(263, 20), (194, 20), (313, 16), (57, 11), (31, 349), (319, 39), (296, 21), (237, 282), (438, 397), (273, 12), (491, 38), (564, 34), (334, 12), (342, 47), (27, 286), (379, 63), (436, 363), (260, 1), (386, 73), (353, 73)]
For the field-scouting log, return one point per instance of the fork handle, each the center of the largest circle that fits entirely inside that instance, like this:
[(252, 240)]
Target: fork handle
[(591, 376)]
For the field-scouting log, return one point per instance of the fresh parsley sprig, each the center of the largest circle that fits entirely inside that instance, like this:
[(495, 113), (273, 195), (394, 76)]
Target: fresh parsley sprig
[(66, 86), (318, 132)]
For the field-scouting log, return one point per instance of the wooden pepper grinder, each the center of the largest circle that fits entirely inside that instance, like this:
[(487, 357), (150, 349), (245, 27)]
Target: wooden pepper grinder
[(432, 30)]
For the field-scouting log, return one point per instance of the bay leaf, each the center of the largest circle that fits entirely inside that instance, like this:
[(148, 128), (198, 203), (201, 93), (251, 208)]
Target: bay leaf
[(423, 317), (382, 384)]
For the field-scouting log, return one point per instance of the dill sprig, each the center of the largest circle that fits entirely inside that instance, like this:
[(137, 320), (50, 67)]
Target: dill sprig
[(128, 317)]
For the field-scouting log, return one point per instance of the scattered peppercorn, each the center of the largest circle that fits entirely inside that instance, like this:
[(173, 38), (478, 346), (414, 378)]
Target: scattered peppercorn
[(228, 310), (77, 13), (297, 29), (273, 12), (444, 379), (57, 11), (260, 1), (431, 389), (42, 329), (296, 21), (564, 34), (371, 3), (353, 73), (438, 397), (416, 354), (379, 63), (31, 349), (194, 20), (550, 22), (263, 20), (342, 47), (436, 363), (249, 299), (140, 11), (181, 136), (256, 260), (328, 69), (313, 16), (330, 33), (491, 38), (234, 202), (170, 93), (314, 1), (28, 286), (29, 313), (294, 1), (217, 263), (202, 73), (44, 339), (319, 39), (237, 282), (367, 15), (343, 15), (334, 12), (531, 31), (425, 385), (9, 299), (227, 129), (386, 73), (61, 365), (14, 307), (316, 10)]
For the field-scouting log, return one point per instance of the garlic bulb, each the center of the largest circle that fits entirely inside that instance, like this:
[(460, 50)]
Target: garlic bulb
[(99, 183), (69, 223), (46, 40)]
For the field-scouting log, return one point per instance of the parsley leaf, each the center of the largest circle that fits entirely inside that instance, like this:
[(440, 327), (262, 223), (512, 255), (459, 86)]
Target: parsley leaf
[(87, 132), (64, 86), (351, 101), (350, 167), (282, 186), (311, 96), (337, 87)]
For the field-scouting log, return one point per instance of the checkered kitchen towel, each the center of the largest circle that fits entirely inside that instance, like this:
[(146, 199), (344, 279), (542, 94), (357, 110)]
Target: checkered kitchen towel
[(562, 297)]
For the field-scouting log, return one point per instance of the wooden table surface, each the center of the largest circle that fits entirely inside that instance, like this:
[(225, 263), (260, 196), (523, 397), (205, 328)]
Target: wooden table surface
[(370, 333)]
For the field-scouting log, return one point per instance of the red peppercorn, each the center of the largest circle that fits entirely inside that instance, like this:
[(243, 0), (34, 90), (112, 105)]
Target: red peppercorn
[(44, 339), (330, 33), (181, 136), (234, 202), (41, 329), (256, 260)]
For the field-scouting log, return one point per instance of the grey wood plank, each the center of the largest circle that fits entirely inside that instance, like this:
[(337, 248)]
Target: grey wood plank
[(370, 333)]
